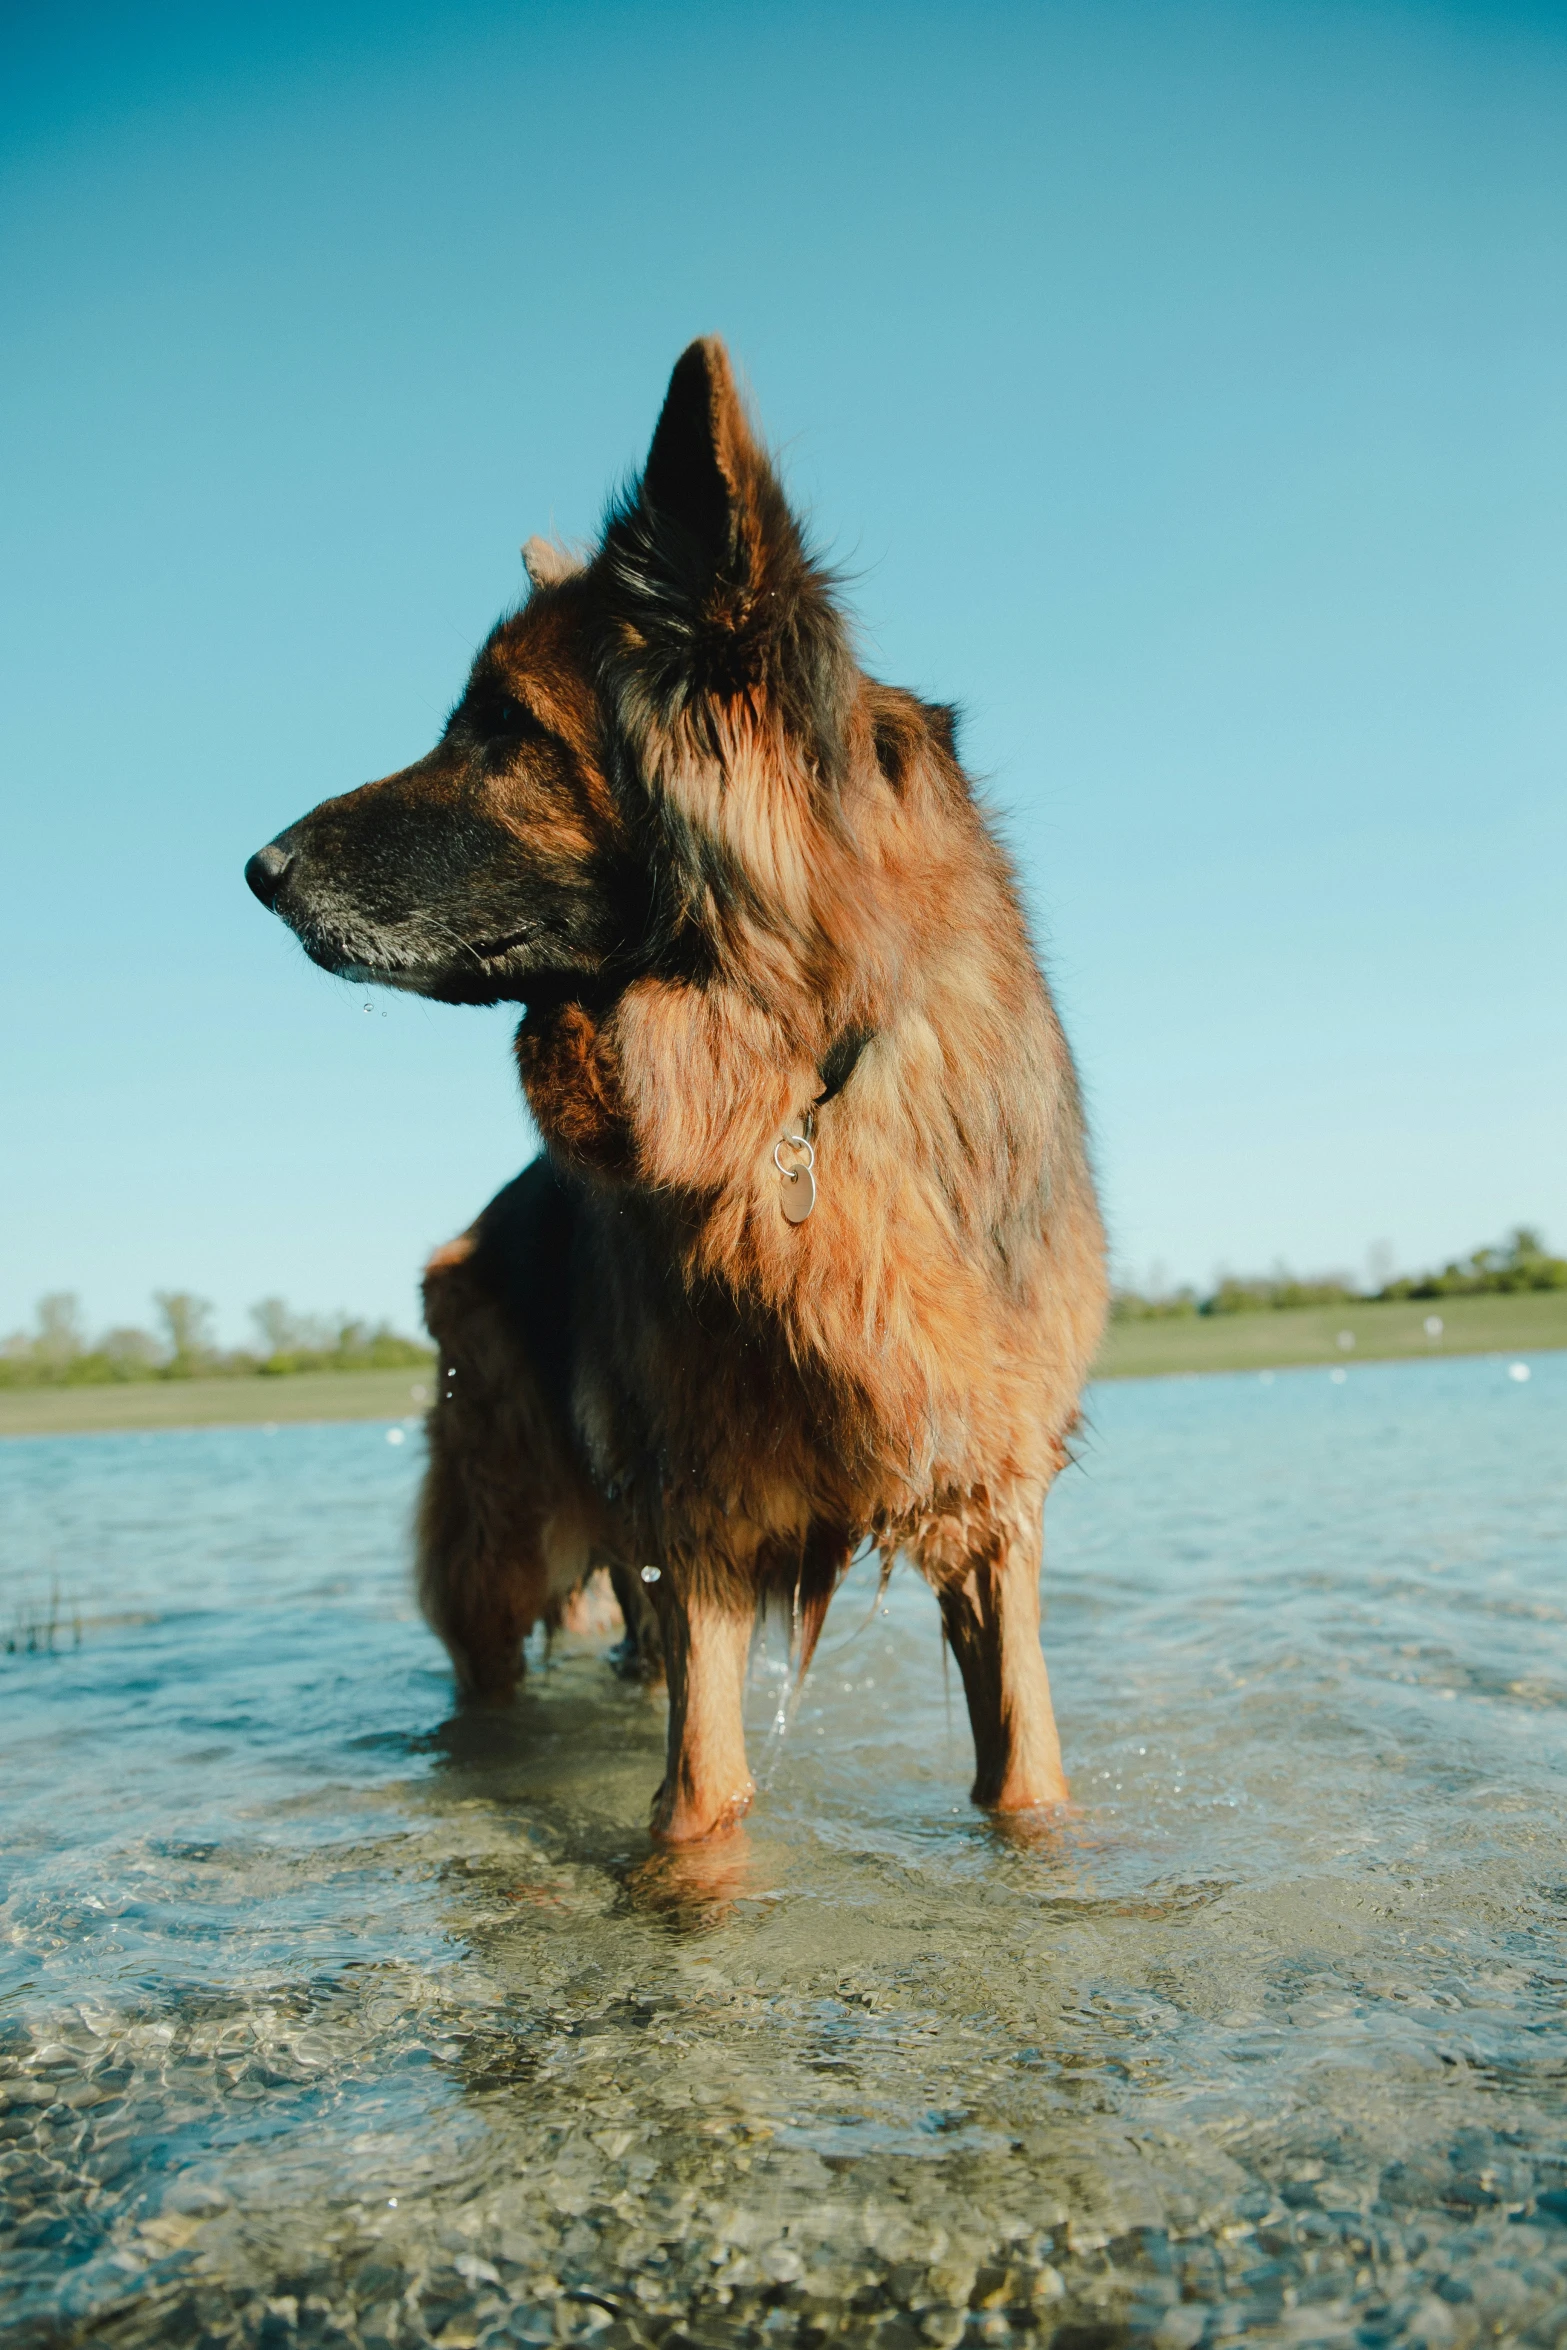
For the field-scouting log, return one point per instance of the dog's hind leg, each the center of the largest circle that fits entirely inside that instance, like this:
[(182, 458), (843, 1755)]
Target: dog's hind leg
[(637, 1655), (508, 1527), (990, 1612), (481, 1570), (707, 1784)]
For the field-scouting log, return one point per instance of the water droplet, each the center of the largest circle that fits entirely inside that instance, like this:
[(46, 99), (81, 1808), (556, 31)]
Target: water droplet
[(650, 1574)]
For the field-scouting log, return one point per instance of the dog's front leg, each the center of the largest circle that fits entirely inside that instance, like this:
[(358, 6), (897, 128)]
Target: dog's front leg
[(991, 1614), (707, 1785)]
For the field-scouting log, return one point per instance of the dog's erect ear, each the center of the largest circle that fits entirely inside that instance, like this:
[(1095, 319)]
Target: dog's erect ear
[(714, 592), (547, 564), (701, 458)]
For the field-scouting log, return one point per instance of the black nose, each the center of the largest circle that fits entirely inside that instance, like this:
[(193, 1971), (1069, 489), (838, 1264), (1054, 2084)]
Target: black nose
[(265, 871)]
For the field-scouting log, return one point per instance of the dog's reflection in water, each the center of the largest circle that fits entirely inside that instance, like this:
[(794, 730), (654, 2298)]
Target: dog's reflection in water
[(695, 1887)]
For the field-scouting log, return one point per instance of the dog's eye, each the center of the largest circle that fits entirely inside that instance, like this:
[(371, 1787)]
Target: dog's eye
[(498, 719), (501, 718)]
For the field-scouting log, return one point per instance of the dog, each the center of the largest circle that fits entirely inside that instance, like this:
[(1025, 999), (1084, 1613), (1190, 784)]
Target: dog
[(812, 1260)]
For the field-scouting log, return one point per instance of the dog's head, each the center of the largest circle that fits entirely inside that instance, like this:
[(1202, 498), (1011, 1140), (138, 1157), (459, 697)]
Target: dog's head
[(642, 769)]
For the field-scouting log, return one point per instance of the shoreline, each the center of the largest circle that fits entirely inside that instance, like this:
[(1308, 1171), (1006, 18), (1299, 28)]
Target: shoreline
[(1299, 1338), (138, 1406)]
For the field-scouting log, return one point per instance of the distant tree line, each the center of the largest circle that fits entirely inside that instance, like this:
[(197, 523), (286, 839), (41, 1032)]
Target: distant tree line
[(1521, 1262), (59, 1353)]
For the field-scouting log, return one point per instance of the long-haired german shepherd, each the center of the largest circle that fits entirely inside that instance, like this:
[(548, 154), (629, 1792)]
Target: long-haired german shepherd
[(813, 1254)]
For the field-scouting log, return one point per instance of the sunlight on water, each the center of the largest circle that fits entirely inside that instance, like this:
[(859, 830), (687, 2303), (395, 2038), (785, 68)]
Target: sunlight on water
[(326, 2017)]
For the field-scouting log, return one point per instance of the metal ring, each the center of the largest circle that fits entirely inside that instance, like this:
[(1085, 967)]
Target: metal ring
[(796, 1142)]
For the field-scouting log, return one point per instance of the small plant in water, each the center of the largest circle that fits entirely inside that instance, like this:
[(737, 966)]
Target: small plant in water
[(36, 1628)]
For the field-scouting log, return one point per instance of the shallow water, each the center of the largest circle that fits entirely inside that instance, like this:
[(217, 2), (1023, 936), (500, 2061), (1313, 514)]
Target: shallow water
[(327, 2017)]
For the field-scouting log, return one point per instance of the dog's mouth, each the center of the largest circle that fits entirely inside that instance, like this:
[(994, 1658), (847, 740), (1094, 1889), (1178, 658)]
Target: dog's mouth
[(452, 970), (476, 961), (494, 950), (419, 953), (491, 971)]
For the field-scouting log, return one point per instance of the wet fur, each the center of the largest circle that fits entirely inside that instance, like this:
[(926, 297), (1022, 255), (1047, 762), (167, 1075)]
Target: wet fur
[(675, 818)]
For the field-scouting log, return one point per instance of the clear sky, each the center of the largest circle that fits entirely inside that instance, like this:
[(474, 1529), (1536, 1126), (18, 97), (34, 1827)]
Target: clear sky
[(1184, 384)]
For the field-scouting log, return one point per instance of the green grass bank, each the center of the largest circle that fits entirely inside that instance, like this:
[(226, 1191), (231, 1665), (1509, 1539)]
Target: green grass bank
[(1391, 1331), (213, 1403), (1281, 1340)]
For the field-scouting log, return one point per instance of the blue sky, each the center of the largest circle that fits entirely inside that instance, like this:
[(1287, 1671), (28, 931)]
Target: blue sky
[(1183, 384)]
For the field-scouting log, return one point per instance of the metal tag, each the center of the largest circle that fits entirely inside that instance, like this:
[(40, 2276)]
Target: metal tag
[(799, 1194)]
